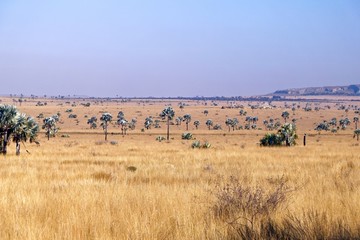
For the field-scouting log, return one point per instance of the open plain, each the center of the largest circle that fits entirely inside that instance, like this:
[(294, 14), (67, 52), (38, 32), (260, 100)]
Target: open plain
[(134, 187)]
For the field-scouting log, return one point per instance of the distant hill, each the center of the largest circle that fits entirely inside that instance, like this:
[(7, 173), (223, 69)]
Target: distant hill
[(350, 90)]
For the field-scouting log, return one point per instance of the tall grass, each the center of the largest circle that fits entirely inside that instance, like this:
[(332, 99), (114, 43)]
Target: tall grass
[(84, 188), (86, 191)]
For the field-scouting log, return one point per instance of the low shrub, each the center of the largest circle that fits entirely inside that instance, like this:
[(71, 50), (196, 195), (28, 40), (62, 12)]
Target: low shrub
[(197, 144), (187, 136), (160, 138)]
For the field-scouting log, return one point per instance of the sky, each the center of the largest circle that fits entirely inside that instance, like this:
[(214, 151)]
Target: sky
[(176, 48)]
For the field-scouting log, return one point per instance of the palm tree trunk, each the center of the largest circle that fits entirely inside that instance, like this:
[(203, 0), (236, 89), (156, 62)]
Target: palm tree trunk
[(168, 129), (287, 141), (106, 132), (187, 126), (48, 134), (5, 141), (357, 137), (17, 147)]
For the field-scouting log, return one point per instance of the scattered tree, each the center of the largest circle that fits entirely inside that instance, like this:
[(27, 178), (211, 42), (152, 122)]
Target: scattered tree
[(196, 124), (357, 134), (148, 122), (209, 123), (105, 120), (15, 126), (285, 135), (49, 124), (356, 120), (285, 115), (187, 120), (167, 114), (25, 129), (92, 122)]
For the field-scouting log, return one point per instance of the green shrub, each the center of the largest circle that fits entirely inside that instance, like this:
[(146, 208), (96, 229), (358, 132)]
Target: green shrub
[(286, 135), (197, 144), (186, 136), (206, 145), (270, 139), (160, 138)]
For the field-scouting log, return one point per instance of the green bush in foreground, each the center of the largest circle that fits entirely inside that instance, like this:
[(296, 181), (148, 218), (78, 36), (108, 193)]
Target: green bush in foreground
[(286, 135)]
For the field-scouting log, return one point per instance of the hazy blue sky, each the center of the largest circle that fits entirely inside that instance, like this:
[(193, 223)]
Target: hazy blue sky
[(176, 47)]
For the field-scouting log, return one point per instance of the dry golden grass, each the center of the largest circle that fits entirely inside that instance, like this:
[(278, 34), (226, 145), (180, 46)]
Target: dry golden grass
[(82, 188)]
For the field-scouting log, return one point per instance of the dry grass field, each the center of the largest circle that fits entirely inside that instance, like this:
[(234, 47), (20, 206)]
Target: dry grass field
[(84, 188)]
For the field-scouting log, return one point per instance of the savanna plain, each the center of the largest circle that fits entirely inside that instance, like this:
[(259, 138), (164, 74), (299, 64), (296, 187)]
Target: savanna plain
[(135, 187)]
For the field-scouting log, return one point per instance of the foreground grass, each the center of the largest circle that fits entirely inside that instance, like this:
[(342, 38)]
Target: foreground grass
[(79, 188)]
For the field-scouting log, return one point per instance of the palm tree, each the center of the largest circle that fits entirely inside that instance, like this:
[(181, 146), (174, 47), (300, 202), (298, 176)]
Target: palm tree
[(266, 124), (229, 123), (288, 134), (168, 114), (132, 123), (344, 122), (92, 122), (157, 123), (187, 119), (7, 123), (206, 112), (120, 116), (25, 129), (323, 126), (105, 120), (333, 122), (209, 123), (50, 126), (124, 125), (234, 123), (357, 134), (285, 115), (122, 122), (356, 120), (242, 112), (16, 125), (196, 124), (178, 120), (148, 122)]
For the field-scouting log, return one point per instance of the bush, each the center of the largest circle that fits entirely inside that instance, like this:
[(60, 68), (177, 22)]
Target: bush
[(160, 138), (286, 135), (217, 127), (206, 145), (186, 136), (197, 144), (131, 169), (244, 208), (270, 139)]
